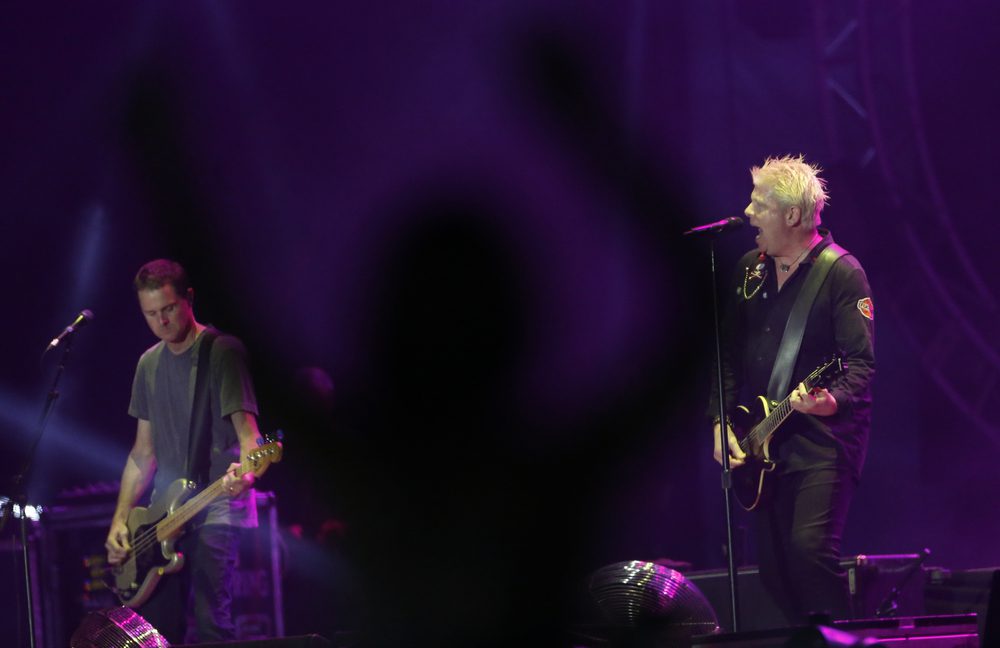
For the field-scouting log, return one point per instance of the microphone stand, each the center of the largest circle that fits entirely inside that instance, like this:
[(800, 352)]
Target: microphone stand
[(727, 476), (20, 497)]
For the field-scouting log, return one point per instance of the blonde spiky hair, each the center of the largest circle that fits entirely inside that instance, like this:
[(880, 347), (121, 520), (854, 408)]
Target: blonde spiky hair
[(793, 182)]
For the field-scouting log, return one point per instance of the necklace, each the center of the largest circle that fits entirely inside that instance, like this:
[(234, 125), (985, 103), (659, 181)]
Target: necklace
[(759, 274), (785, 267)]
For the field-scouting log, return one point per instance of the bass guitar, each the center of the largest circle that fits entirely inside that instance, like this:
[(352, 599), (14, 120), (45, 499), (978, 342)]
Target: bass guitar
[(755, 428), (153, 531)]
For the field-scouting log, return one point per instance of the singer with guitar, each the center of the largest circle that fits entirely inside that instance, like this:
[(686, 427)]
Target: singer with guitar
[(796, 301), (196, 413)]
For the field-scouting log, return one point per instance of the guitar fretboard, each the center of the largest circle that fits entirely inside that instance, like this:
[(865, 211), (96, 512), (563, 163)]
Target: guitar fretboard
[(772, 421), (182, 515)]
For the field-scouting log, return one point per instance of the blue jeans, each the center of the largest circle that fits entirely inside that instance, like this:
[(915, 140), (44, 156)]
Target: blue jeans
[(194, 604)]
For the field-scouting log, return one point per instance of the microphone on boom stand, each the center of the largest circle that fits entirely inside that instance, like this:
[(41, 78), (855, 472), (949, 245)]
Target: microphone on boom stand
[(719, 226)]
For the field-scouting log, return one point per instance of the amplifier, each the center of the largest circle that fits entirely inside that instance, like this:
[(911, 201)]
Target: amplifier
[(74, 569), (13, 592), (870, 579), (72, 548)]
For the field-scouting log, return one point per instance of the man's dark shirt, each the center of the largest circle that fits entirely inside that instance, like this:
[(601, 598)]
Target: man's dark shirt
[(163, 394), (840, 321)]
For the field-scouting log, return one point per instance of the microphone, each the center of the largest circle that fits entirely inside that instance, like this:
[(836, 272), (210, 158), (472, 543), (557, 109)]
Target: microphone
[(717, 227), (81, 319)]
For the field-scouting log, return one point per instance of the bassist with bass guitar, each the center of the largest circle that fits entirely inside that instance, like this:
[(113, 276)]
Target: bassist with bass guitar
[(173, 379), (797, 301)]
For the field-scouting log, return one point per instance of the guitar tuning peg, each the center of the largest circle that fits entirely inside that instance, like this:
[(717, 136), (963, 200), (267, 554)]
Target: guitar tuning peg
[(271, 438)]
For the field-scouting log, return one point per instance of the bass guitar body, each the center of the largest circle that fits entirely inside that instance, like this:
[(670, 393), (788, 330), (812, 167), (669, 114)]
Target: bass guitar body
[(153, 531), (152, 556), (750, 482)]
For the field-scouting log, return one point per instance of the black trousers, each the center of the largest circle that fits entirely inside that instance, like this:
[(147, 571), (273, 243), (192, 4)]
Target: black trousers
[(798, 543), (194, 604)]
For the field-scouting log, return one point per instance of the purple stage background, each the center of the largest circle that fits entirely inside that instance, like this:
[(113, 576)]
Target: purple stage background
[(467, 214)]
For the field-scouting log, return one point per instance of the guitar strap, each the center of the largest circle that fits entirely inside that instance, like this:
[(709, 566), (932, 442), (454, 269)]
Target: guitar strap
[(795, 328), (200, 441)]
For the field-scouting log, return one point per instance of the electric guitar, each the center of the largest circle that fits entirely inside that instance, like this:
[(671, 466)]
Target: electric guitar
[(755, 430), (153, 531)]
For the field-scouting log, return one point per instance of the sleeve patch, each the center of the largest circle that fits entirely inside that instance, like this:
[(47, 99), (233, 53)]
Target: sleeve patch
[(867, 308)]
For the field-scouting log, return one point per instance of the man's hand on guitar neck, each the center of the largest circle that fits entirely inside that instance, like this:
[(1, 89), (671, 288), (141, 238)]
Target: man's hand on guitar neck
[(736, 456), (245, 424), (819, 402), (234, 485)]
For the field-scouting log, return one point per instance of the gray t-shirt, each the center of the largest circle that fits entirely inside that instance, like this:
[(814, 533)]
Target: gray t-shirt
[(163, 393)]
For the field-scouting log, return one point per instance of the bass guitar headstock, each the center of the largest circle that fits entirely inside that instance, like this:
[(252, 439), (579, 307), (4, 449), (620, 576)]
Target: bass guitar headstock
[(268, 451)]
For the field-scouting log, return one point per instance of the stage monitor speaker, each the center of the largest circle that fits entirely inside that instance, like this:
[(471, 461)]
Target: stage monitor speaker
[(302, 641), (870, 580), (954, 631), (963, 591), (757, 611)]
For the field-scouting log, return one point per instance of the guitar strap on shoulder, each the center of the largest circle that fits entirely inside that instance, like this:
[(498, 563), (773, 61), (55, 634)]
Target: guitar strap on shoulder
[(200, 441), (791, 339)]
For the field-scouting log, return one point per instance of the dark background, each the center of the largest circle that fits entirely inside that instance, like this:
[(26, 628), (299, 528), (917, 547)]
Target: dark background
[(465, 215)]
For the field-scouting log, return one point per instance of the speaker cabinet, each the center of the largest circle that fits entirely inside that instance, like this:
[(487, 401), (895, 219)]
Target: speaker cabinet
[(870, 581), (13, 592)]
